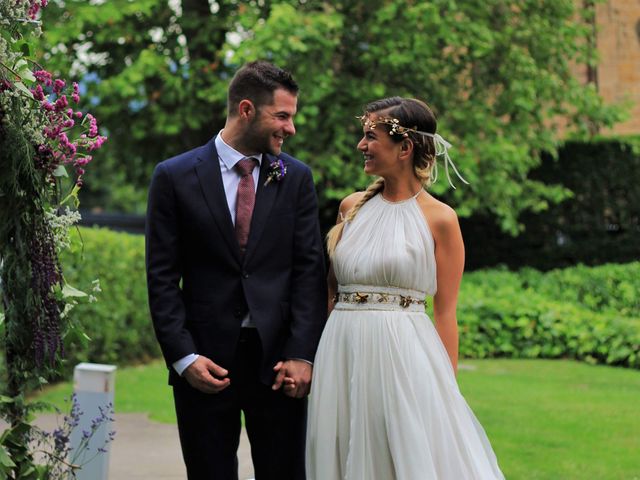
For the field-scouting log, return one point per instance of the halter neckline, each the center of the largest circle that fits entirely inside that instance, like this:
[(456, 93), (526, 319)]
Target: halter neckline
[(412, 197)]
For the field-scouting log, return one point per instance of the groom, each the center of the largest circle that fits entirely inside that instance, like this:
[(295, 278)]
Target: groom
[(236, 281)]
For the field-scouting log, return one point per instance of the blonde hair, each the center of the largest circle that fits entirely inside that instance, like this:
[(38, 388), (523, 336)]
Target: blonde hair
[(333, 237), (411, 112)]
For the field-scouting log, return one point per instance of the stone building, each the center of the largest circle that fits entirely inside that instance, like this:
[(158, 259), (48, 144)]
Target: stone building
[(617, 75)]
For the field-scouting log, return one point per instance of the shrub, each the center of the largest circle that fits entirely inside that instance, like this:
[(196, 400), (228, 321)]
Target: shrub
[(587, 313), (118, 324), (552, 315), (613, 287), (600, 223)]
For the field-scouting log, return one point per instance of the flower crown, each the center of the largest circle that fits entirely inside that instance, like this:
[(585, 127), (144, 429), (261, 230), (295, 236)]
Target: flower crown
[(441, 145)]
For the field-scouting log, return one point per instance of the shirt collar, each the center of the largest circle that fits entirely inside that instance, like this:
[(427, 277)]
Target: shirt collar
[(229, 155)]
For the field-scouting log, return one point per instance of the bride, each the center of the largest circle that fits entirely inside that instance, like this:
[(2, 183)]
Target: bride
[(384, 401)]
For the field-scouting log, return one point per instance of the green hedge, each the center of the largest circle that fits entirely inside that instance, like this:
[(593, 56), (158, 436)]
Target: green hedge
[(600, 223), (580, 312), (118, 324), (614, 287), (587, 313)]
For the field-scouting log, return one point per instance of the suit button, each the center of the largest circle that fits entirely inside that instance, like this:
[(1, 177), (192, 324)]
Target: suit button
[(245, 275)]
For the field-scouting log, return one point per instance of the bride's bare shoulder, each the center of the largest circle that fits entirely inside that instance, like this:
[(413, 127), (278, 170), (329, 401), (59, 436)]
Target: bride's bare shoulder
[(439, 215), (348, 203)]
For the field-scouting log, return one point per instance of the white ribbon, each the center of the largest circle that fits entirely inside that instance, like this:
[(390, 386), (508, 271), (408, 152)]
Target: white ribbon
[(442, 148)]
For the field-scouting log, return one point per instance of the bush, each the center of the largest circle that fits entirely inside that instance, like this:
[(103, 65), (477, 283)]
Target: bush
[(612, 287), (587, 313), (118, 324), (552, 315), (600, 223)]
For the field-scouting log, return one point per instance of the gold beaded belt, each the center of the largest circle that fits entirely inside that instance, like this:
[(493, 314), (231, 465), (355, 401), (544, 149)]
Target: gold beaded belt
[(388, 298)]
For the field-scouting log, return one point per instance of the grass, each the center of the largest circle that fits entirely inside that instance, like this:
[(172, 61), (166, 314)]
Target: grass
[(546, 419), (554, 419), (139, 389)]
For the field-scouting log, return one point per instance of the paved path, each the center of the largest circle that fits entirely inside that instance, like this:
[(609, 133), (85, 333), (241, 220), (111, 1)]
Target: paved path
[(146, 450)]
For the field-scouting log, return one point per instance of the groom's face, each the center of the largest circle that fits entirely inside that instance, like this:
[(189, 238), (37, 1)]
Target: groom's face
[(273, 123)]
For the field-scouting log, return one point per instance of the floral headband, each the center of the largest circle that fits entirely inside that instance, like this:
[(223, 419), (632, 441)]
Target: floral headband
[(441, 145)]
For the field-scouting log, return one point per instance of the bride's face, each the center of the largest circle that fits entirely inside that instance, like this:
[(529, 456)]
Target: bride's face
[(380, 152)]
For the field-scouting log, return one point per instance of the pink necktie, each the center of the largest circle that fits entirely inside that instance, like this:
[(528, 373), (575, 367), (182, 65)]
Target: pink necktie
[(245, 201)]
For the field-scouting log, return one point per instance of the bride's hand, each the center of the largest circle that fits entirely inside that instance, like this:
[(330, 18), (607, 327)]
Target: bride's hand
[(294, 377)]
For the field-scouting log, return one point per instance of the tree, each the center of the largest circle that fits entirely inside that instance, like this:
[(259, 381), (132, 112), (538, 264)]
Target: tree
[(498, 75)]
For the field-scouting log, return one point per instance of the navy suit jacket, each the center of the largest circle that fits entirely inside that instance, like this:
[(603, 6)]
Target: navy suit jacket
[(199, 285)]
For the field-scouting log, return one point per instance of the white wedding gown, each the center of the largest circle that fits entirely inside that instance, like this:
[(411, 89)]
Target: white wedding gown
[(384, 402)]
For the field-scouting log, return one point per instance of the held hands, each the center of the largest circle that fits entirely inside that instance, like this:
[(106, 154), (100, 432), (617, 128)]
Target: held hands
[(294, 377), (206, 376)]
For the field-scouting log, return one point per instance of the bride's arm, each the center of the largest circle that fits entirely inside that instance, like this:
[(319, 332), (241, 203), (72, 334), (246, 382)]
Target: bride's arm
[(332, 287), (449, 252), (332, 283)]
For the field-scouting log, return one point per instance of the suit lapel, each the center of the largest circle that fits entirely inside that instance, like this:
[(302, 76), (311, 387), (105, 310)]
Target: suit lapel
[(210, 178), (265, 197)]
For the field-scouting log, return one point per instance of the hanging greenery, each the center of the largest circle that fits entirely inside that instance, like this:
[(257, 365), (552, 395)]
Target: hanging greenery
[(45, 145)]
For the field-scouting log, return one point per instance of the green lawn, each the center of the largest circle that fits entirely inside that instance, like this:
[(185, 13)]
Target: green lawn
[(557, 420), (547, 419), (140, 389)]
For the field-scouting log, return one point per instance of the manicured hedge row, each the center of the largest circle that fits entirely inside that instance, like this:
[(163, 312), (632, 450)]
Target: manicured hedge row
[(613, 287), (585, 313), (600, 223), (118, 324)]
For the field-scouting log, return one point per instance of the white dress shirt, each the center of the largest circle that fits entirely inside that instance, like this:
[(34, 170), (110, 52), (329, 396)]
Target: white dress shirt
[(228, 157)]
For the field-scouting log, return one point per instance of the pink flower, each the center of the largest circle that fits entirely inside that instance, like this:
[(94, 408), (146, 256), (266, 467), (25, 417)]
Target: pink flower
[(60, 120), (76, 93), (61, 103), (58, 85), (93, 126), (38, 93), (51, 132), (34, 8), (43, 76), (97, 143)]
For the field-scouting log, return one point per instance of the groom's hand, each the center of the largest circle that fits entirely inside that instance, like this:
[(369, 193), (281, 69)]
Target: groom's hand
[(199, 375), (294, 377)]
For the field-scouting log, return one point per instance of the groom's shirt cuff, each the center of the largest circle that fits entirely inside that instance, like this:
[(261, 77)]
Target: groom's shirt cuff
[(302, 360), (182, 364)]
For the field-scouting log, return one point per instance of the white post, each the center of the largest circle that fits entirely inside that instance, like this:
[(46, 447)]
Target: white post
[(94, 386)]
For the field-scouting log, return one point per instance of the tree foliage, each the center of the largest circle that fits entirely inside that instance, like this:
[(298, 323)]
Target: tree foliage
[(498, 74)]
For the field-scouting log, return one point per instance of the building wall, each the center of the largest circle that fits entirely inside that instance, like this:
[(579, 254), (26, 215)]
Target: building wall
[(618, 71)]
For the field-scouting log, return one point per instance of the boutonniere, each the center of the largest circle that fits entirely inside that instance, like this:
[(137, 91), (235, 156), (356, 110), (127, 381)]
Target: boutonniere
[(276, 172)]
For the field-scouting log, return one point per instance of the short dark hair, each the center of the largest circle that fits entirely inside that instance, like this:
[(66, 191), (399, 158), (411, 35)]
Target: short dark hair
[(256, 81)]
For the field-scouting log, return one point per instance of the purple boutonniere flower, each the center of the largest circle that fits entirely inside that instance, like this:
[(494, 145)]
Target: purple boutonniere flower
[(276, 172)]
